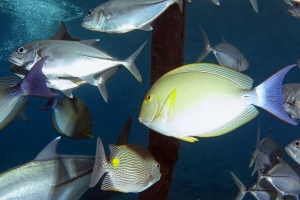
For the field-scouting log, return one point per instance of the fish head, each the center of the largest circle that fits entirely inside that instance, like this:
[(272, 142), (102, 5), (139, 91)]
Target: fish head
[(27, 54), (154, 176), (294, 10), (95, 18), (293, 149), (149, 109), (243, 64)]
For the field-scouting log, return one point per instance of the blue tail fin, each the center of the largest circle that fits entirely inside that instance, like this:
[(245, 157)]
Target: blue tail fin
[(34, 83), (269, 95)]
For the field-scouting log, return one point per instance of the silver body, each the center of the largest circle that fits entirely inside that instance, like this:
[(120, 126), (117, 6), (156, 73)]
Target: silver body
[(117, 16), (263, 191), (293, 150), (291, 99), (49, 176)]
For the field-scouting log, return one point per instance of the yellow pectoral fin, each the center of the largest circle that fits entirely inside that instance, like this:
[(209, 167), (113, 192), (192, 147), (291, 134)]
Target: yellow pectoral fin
[(168, 106), (187, 138)]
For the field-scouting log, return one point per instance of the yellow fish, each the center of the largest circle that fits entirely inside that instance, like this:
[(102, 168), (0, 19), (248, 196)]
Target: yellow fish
[(207, 100)]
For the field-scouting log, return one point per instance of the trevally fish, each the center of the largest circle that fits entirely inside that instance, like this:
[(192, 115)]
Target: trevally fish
[(285, 178), (266, 153), (131, 168), (293, 150), (48, 176), (291, 100), (12, 93), (70, 117), (72, 59), (262, 191), (226, 54), (294, 8), (117, 16), (207, 100)]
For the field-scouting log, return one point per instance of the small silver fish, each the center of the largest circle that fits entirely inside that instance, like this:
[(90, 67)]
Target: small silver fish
[(117, 16), (131, 168), (266, 154), (225, 53), (284, 177), (71, 117), (262, 191), (293, 150), (291, 100), (48, 176), (294, 9), (12, 93)]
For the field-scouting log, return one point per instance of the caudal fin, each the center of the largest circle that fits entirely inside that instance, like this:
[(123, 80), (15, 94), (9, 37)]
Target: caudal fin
[(215, 2), (129, 63), (100, 163), (241, 187), (269, 95), (207, 46), (34, 83)]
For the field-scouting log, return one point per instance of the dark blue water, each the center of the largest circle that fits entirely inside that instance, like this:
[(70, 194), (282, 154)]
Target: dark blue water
[(269, 40)]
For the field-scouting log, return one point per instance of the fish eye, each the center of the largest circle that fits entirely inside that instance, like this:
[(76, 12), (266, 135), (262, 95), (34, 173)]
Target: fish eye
[(296, 5), (157, 166), (149, 97), (89, 13), (22, 50), (297, 144)]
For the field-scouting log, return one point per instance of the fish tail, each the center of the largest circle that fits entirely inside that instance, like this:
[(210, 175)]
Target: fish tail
[(129, 63), (100, 166), (215, 2), (241, 186), (179, 2), (207, 46), (269, 95), (51, 104), (254, 5), (34, 83)]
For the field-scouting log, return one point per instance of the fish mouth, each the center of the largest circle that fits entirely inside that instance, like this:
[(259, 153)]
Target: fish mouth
[(291, 153), (15, 60), (293, 11)]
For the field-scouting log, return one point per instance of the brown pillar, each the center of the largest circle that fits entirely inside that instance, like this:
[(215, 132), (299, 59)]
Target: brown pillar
[(167, 53)]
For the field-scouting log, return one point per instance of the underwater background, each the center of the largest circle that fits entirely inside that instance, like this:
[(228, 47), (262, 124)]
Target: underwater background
[(268, 39)]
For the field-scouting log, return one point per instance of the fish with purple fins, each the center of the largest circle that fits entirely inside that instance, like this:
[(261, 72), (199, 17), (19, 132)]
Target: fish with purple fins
[(131, 168), (12, 93), (226, 54), (208, 100), (266, 153), (123, 16)]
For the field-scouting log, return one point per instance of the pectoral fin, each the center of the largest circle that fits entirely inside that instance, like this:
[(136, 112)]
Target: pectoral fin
[(168, 106)]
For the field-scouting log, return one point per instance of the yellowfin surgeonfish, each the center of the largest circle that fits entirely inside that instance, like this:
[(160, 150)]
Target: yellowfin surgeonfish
[(131, 168), (207, 100)]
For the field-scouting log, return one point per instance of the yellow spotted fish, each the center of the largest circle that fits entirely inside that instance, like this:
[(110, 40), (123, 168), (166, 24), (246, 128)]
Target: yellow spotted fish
[(131, 168), (207, 100)]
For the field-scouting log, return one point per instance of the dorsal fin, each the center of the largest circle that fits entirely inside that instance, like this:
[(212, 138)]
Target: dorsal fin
[(49, 152), (124, 135)]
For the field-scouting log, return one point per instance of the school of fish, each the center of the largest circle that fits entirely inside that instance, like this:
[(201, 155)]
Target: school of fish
[(186, 103)]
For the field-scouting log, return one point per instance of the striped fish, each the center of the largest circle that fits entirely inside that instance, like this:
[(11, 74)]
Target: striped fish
[(131, 168)]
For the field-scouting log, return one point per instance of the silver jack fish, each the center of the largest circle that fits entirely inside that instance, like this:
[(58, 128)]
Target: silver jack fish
[(226, 54), (266, 153), (48, 176), (131, 168), (262, 191), (294, 8), (207, 100), (117, 16), (12, 93), (291, 100), (70, 117), (284, 177), (293, 150), (72, 59)]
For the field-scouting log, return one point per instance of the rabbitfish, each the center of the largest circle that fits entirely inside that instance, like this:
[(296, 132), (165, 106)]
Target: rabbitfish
[(226, 54), (117, 16), (207, 100), (131, 168)]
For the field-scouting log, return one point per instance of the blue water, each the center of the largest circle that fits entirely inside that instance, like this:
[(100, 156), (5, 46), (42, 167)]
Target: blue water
[(269, 40)]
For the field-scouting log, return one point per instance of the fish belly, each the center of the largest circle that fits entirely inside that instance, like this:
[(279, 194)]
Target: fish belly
[(203, 102)]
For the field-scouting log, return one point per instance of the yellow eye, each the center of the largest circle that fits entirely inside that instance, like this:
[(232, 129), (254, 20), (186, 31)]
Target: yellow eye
[(148, 97), (115, 162)]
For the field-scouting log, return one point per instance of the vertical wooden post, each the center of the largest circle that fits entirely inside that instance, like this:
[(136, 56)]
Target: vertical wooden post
[(167, 53)]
